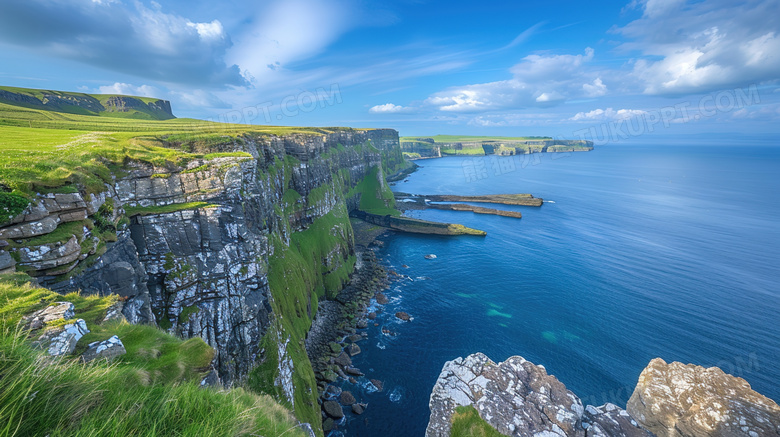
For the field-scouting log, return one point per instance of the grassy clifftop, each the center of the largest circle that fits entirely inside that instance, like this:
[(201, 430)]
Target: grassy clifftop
[(468, 139), (103, 105), (44, 151), (152, 390)]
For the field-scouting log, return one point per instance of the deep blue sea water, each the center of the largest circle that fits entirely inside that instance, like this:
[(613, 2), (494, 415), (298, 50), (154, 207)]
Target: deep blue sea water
[(647, 251)]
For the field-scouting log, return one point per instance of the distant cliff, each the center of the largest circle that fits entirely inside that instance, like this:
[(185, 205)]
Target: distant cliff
[(478, 146), (518, 398), (88, 104)]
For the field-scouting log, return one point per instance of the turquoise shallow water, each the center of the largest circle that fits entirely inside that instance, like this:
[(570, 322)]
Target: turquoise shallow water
[(647, 251)]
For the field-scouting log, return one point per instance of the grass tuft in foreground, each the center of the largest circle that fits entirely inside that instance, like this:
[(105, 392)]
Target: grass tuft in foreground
[(153, 390)]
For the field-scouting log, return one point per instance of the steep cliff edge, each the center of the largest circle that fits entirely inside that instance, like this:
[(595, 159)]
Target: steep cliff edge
[(519, 398), (449, 145), (233, 236)]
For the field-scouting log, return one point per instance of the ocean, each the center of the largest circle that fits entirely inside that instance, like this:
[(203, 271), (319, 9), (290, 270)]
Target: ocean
[(640, 251)]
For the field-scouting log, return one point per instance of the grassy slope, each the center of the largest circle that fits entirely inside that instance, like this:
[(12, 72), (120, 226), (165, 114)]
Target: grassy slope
[(43, 150), (153, 390), (467, 423), (143, 113)]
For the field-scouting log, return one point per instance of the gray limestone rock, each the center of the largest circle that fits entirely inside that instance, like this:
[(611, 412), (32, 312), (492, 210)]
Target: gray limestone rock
[(53, 312), (684, 400), (30, 229), (62, 341), (49, 256), (7, 263), (609, 420), (516, 397), (107, 349)]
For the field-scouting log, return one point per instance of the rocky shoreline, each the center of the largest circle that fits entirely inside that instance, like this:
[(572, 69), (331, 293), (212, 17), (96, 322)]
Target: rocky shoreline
[(334, 336)]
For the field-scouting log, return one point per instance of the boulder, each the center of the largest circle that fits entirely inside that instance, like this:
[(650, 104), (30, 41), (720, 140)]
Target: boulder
[(358, 408), (353, 371), (403, 316), (372, 315), (7, 263), (114, 312), (333, 409), (62, 341), (381, 299), (609, 420), (682, 400), (53, 312), (347, 398), (343, 360), (328, 425), (333, 391), (107, 349), (353, 349), (516, 397), (378, 384)]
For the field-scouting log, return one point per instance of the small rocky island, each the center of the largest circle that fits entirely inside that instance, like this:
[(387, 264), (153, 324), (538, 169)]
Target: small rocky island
[(519, 398)]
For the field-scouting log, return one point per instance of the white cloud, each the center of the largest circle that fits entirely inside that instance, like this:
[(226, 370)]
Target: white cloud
[(290, 30), (538, 80), (595, 89), (129, 90), (209, 31), (132, 38), (607, 114), (388, 108), (703, 46)]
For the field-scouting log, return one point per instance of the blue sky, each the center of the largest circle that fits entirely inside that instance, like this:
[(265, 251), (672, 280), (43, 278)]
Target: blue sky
[(595, 70)]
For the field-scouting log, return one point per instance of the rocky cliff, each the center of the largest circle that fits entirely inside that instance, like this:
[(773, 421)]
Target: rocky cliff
[(429, 148), (88, 104), (519, 398), (676, 400), (237, 247)]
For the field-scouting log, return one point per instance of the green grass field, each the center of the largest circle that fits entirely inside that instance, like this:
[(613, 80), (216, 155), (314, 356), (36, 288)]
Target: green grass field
[(44, 150)]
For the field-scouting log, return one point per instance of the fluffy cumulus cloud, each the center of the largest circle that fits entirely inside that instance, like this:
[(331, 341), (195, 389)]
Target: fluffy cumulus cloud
[(388, 108), (131, 38), (608, 114), (691, 46), (539, 80)]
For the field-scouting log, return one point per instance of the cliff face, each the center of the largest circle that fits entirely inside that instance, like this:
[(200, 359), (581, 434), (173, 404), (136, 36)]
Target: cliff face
[(237, 248), (428, 148), (87, 104), (519, 398)]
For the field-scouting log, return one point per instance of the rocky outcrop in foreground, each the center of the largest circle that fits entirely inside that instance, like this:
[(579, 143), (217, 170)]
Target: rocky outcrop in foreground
[(519, 398), (677, 400)]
